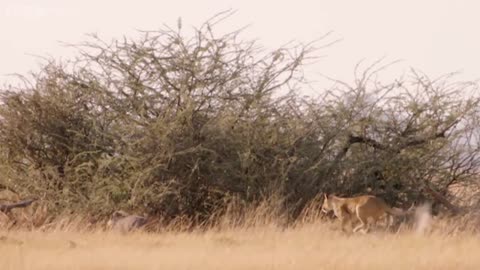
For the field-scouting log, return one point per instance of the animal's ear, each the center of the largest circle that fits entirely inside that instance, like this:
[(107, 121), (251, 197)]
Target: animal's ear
[(325, 195)]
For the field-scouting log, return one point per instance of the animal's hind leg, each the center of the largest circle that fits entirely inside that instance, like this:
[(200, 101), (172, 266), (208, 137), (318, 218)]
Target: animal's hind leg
[(363, 225), (374, 224), (363, 222), (343, 222)]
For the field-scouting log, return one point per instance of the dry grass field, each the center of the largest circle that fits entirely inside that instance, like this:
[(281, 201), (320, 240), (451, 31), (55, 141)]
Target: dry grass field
[(309, 246)]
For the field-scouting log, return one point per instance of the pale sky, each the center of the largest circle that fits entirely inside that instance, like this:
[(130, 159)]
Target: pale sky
[(434, 36)]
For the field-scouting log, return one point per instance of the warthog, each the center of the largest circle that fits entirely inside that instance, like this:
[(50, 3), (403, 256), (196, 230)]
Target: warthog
[(124, 222)]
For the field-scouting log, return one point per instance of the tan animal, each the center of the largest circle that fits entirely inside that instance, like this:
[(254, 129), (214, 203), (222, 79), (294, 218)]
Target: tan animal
[(124, 222), (360, 208)]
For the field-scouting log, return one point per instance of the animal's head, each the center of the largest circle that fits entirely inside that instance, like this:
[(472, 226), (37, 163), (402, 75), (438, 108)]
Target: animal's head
[(327, 204), (117, 215)]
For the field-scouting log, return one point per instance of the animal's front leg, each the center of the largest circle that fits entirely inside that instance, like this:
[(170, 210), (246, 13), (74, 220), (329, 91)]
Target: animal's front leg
[(343, 222)]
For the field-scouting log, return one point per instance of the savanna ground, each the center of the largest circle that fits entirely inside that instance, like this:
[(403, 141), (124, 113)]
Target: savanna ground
[(316, 245)]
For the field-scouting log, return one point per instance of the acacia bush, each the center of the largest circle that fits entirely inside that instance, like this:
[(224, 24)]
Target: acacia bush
[(182, 125)]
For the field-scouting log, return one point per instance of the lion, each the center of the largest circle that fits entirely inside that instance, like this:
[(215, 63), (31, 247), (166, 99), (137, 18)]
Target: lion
[(360, 208)]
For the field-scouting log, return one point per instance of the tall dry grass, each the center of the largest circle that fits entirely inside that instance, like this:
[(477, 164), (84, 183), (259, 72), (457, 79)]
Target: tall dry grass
[(255, 239), (311, 246)]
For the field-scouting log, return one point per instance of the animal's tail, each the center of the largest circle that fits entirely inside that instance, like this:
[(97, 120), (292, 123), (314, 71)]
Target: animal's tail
[(395, 211)]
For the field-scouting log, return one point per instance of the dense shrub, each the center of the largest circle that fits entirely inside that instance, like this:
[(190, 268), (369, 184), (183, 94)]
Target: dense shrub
[(181, 125)]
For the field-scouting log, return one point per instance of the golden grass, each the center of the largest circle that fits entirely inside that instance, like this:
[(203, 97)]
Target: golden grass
[(308, 246)]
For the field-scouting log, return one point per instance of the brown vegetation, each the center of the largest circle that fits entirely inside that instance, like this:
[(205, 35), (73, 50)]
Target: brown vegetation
[(308, 245), (191, 128)]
